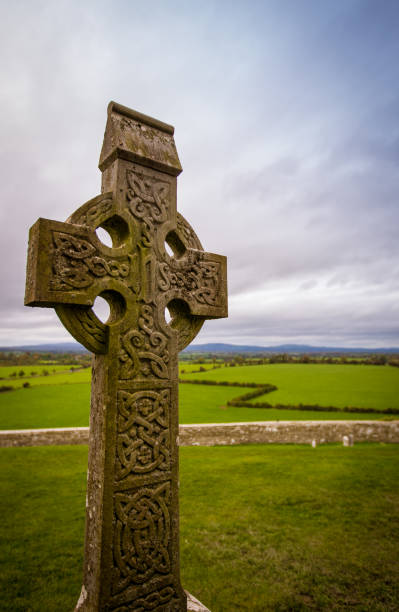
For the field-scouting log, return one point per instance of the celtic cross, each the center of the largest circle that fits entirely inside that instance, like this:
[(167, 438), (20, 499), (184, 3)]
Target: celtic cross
[(132, 520)]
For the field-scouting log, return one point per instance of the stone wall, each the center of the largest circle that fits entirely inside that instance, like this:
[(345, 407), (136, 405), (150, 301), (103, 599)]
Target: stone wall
[(44, 437), (211, 434), (288, 432)]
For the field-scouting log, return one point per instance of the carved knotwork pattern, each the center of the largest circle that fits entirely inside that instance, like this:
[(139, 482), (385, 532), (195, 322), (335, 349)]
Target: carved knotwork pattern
[(188, 235), (93, 216), (144, 350), (153, 601), (199, 279), (142, 535), (188, 329), (84, 325), (143, 443), (94, 328), (77, 263), (148, 201)]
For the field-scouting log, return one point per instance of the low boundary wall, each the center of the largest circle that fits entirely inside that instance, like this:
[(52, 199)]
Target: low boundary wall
[(288, 432), (212, 434)]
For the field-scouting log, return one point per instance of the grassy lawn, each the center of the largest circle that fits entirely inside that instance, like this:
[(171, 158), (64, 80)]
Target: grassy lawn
[(326, 385), (263, 528)]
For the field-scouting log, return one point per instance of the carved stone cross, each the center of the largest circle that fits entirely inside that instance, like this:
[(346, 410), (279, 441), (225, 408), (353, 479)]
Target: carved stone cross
[(132, 520)]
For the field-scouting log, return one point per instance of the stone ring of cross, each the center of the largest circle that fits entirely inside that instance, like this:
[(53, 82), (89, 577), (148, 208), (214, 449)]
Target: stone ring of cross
[(156, 262), (121, 273)]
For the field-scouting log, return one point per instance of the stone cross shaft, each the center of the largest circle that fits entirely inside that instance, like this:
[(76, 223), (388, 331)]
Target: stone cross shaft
[(132, 520)]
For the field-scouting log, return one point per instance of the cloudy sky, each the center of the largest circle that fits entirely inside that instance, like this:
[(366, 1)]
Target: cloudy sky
[(286, 116)]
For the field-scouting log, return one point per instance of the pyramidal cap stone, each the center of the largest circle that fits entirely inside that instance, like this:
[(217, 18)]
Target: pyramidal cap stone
[(132, 519), (136, 137)]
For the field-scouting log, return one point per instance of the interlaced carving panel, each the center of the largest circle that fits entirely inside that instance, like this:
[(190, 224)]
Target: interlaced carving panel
[(95, 214), (77, 263), (141, 535), (164, 600), (144, 350), (84, 326), (198, 279), (143, 443), (148, 197), (188, 235)]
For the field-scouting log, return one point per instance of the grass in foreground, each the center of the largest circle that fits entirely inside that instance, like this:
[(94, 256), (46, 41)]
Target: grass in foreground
[(263, 528)]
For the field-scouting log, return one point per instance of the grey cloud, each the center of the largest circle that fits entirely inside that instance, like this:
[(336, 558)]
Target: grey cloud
[(351, 321), (285, 123)]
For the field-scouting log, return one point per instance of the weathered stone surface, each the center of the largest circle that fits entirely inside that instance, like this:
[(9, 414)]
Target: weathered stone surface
[(131, 550), (348, 440), (44, 437), (194, 605), (211, 434)]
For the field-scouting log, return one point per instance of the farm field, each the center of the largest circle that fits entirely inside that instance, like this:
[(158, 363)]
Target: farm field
[(262, 528), (63, 399), (7, 371), (202, 404), (68, 405), (327, 385), (60, 377), (43, 406)]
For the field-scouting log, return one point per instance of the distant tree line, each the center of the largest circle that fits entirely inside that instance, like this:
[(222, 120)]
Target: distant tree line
[(233, 359), (27, 358)]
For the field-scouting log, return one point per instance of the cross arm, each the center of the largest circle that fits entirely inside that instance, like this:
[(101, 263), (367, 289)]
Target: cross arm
[(199, 279), (67, 265)]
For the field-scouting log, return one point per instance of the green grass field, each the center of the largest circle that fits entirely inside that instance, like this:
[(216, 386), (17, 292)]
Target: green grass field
[(61, 377), (263, 528), (326, 385), (203, 404), (68, 405), (43, 406), (6, 371), (63, 399)]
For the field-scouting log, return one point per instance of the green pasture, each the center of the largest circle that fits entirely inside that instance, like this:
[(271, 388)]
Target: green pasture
[(262, 528), (68, 405), (362, 386), (46, 406), (62, 377), (62, 399), (7, 371), (203, 404)]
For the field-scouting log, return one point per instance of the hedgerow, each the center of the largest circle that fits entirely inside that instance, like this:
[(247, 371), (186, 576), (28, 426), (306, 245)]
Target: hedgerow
[(242, 401)]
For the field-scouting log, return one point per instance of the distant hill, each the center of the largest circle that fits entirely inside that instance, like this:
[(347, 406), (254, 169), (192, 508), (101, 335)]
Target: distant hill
[(61, 347), (75, 347), (282, 348)]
